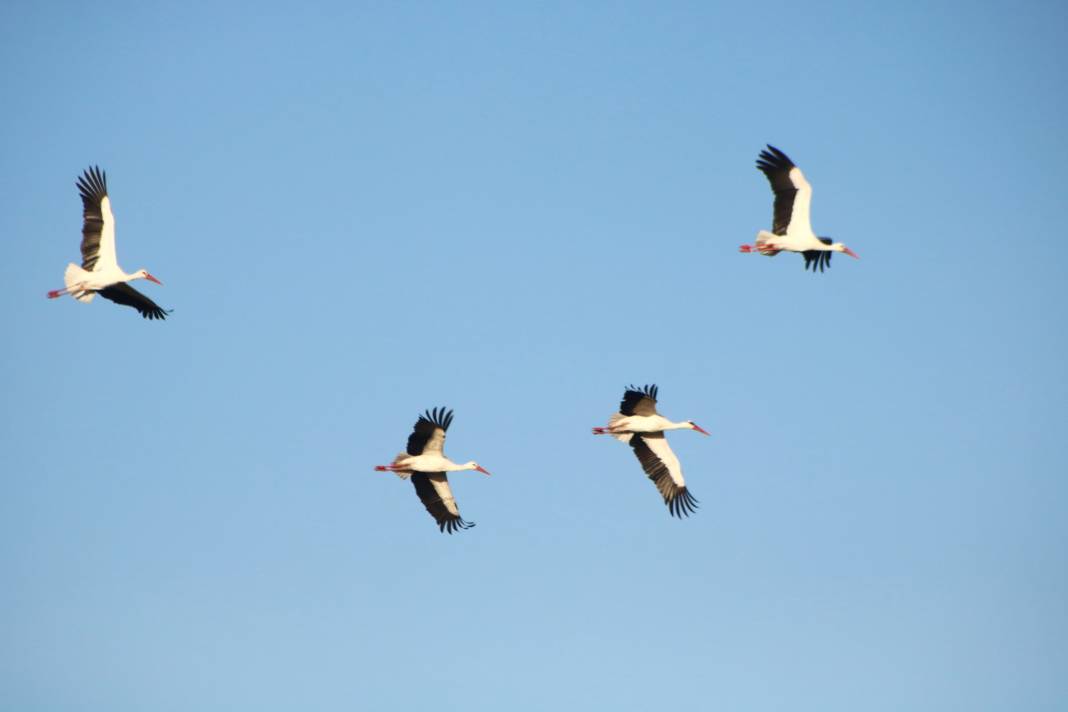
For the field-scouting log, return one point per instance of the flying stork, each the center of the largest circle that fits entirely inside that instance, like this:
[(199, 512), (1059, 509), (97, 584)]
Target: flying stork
[(791, 226), (638, 423), (426, 465), (100, 272)]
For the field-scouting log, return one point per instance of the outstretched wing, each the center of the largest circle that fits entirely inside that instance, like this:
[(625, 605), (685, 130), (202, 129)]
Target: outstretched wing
[(793, 194), (639, 401), (435, 494), (124, 294), (428, 435), (664, 469), (98, 226)]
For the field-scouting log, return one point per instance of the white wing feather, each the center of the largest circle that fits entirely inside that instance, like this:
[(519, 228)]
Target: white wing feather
[(106, 259), (800, 220), (663, 451)]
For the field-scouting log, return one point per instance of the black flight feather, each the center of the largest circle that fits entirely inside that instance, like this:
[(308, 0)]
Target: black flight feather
[(124, 294), (634, 395), (424, 488), (93, 187), (776, 165)]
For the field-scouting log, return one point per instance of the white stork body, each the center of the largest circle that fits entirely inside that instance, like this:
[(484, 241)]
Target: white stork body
[(638, 424), (428, 462), (791, 223), (426, 465), (83, 285), (100, 272), (657, 423)]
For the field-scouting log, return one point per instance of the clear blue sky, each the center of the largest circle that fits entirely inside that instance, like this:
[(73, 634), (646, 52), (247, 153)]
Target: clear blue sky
[(360, 211)]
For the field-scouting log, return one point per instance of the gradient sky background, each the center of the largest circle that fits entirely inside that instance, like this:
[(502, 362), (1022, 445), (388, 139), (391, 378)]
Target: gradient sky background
[(360, 211)]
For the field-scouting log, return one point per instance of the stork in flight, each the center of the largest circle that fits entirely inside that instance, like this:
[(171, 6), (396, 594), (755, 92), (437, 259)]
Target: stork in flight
[(425, 463), (638, 423), (100, 272), (791, 225)]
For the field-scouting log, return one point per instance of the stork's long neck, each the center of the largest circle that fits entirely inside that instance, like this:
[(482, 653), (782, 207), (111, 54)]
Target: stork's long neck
[(663, 423)]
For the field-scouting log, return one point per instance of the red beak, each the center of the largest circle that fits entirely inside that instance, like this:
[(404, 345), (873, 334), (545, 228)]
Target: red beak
[(480, 469), (701, 430), (150, 278), (850, 252)]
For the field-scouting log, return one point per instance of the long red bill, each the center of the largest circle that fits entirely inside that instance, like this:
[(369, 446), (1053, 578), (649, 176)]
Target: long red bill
[(701, 430), (150, 278), (850, 253), (482, 470)]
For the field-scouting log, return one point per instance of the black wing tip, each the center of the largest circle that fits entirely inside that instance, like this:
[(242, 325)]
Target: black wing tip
[(649, 389), (683, 504), (449, 526), (156, 313), (93, 183), (441, 417), (772, 159), (820, 260)]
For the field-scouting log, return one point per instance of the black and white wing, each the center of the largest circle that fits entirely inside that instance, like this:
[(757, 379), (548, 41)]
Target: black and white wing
[(664, 469), (98, 226), (124, 294), (639, 401), (428, 435), (435, 494), (793, 194)]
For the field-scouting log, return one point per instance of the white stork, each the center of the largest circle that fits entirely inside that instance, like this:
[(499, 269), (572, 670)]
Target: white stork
[(426, 464), (638, 423), (100, 272), (791, 225)]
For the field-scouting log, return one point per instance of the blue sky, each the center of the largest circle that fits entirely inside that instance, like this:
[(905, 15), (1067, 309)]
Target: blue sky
[(360, 211)]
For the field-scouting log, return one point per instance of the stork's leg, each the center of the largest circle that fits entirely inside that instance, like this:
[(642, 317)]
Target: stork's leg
[(72, 289), (763, 248)]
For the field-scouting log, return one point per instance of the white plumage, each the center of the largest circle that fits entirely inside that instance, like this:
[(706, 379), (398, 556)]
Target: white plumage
[(100, 272), (424, 462), (638, 424), (791, 224)]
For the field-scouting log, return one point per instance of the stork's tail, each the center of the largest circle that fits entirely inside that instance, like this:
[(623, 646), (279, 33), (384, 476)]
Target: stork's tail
[(403, 474), (74, 276), (621, 437), (764, 237)]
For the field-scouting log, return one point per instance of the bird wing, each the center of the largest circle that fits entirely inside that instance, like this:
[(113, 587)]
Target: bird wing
[(98, 226), (639, 401), (428, 435), (435, 494), (793, 194), (124, 294), (664, 469), (818, 258)]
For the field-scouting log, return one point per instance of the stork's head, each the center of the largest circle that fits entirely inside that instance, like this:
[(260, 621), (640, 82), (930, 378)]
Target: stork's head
[(839, 247), (698, 428), (472, 465), (143, 274)]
